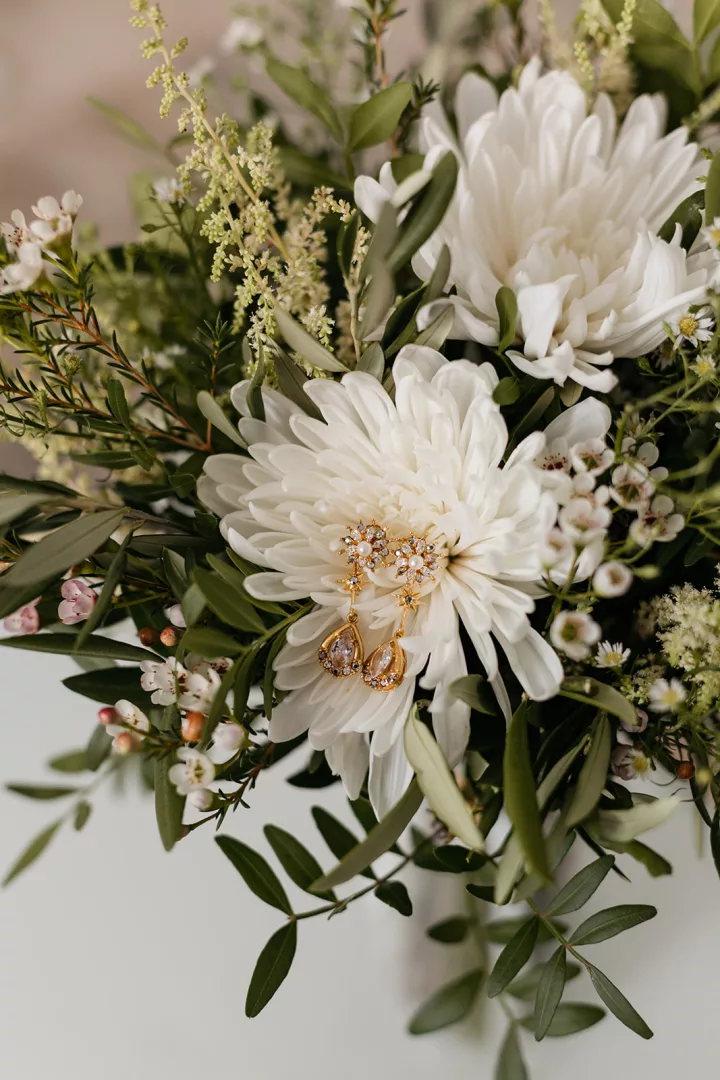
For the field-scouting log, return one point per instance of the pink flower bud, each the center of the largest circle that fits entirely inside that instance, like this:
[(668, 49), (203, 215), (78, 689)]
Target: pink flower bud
[(176, 617), (77, 603), (106, 715), (124, 743), (25, 620)]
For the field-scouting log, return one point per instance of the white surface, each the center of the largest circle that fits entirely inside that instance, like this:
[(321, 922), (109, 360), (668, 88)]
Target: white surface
[(118, 961)]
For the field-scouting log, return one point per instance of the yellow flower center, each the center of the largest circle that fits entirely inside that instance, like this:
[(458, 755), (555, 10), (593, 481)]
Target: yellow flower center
[(641, 764), (688, 325)]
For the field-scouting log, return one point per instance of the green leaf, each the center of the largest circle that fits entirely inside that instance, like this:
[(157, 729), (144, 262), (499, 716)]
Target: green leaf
[(339, 839), (14, 504), (521, 801), (104, 601), (192, 604), (510, 1064), (212, 412), (108, 685), (602, 696), (713, 68), (712, 190), (107, 459), (73, 762), (133, 132), (593, 774), (98, 748), (426, 213), (449, 1005), (475, 692), (618, 1004), (41, 791), (373, 361), (507, 309), (502, 931), (550, 990), (174, 570), (376, 120), (706, 17), (54, 554), (255, 401), (525, 986), (514, 957), (117, 403), (378, 301), (169, 804), (271, 968), (438, 783), (303, 343), (396, 896), (300, 87), (64, 644), (32, 852), (610, 922), (458, 860), (291, 380), (450, 931), (435, 334), (689, 215), (655, 864), (210, 643), (297, 862), (83, 810), (256, 873), (715, 839), (581, 887), (507, 391), (230, 604), (377, 842), (570, 1018)]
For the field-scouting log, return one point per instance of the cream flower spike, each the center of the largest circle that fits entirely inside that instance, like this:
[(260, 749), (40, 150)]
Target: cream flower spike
[(564, 208), (428, 464)]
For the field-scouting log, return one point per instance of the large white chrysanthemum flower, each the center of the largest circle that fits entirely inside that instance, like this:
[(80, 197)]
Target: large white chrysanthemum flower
[(564, 208), (429, 462)]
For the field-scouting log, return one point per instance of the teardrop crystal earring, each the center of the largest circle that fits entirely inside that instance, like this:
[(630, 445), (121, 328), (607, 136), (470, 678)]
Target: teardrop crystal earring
[(341, 653)]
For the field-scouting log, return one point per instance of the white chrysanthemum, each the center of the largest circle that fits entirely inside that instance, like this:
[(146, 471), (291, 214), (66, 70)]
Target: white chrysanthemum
[(427, 463), (564, 208)]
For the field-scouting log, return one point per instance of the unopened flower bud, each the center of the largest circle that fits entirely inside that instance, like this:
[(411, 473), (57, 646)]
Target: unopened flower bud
[(193, 724), (147, 635), (106, 715), (124, 743), (685, 770), (169, 636), (202, 799)]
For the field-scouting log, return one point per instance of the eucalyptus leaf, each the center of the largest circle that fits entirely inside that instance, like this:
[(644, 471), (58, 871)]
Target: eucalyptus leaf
[(602, 696), (212, 412), (510, 1065), (271, 968), (396, 896)]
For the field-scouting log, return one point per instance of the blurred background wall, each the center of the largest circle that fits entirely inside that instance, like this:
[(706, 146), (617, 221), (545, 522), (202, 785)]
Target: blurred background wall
[(119, 962)]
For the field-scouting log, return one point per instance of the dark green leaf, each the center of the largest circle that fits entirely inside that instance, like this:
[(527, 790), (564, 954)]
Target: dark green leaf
[(297, 862), (376, 120), (169, 805), (618, 1004), (210, 643), (73, 762), (373, 361), (611, 921), (255, 401), (255, 871), (458, 860), (581, 887), (117, 403), (501, 931), (395, 895), (64, 644), (174, 569), (689, 215), (228, 603), (32, 852), (570, 1018), (510, 1064), (715, 838), (426, 213), (83, 810), (525, 986), (550, 990), (593, 774), (521, 801), (14, 504), (513, 958), (291, 380), (104, 601), (337, 837), (98, 748), (507, 309), (300, 87), (475, 692), (507, 391), (41, 791), (712, 190), (108, 685), (450, 931), (448, 1006), (271, 968), (655, 864), (192, 604), (482, 892), (602, 696)]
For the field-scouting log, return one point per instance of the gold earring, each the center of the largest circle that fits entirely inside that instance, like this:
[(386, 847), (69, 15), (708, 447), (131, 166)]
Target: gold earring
[(341, 654)]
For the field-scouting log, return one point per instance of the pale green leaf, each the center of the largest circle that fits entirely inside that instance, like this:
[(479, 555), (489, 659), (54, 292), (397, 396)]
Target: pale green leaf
[(376, 120), (593, 775), (304, 344), (210, 409)]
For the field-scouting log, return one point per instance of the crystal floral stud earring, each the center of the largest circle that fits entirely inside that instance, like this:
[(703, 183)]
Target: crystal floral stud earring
[(366, 547)]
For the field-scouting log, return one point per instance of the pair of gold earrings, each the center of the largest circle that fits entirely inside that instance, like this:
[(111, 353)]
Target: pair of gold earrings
[(368, 547)]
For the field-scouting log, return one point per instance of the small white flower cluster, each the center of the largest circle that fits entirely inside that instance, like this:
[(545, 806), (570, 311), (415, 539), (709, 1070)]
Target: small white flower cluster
[(52, 225)]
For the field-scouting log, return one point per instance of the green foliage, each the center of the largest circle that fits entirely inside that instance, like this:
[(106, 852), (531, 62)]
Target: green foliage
[(447, 1006), (271, 969), (255, 871)]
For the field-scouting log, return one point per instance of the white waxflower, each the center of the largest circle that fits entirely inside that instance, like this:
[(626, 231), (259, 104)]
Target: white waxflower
[(131, 727), (168, 189), (657, 522), (611, 656), (593, 456), (227, 739), (199, 690), (584, 521), (666, 696), (629, 762), (201, 798), (164, 680), (22, 274), (612, 579), (194, 771), (242, 33), (693, 327), (631, 486), (564, 208), (574, 632), (15, 232), (557, 548), (49, 209), (429, 462)]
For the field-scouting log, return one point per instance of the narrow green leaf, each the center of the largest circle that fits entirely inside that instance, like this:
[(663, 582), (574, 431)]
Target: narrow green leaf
[(521, 800), (475, 692), (376, 120), (192, 604), (131, 129), (175, 575), (373, 361), (255, 401), (291, 380), (64, 644), (706, 17), (227, 602), (618, 1004), (209, 642), (550, 990), (510, 1064), (98, 748), (303, 343), (301, 88), (426, 212), (712, 190), (378, 301), (507, 391), (337, 837), (212, 412), (73, 762), (41, 791), (255, 871), (450, 931), (14, 504), (688, 214), (117, 402), (104, 601), (569, 1018), (297, 862), (502, 931), (271, 968), (449, 1005), (581, 887), (396, 896), (593, 774), (108, 685), (610, 922), (83, 810), (655, 864), (525, 986), (169, 805), (602, 696), (436, 333), (32, 852), (378, 841), (507, 309), (514, 957)]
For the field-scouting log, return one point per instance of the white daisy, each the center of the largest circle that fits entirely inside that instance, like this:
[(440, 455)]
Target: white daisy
[(427, 464), (564, 208), (611, 656), (666, 696), (693, 327)]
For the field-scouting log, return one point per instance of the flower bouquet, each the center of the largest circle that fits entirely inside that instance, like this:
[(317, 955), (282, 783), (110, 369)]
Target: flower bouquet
[(415, 477)]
